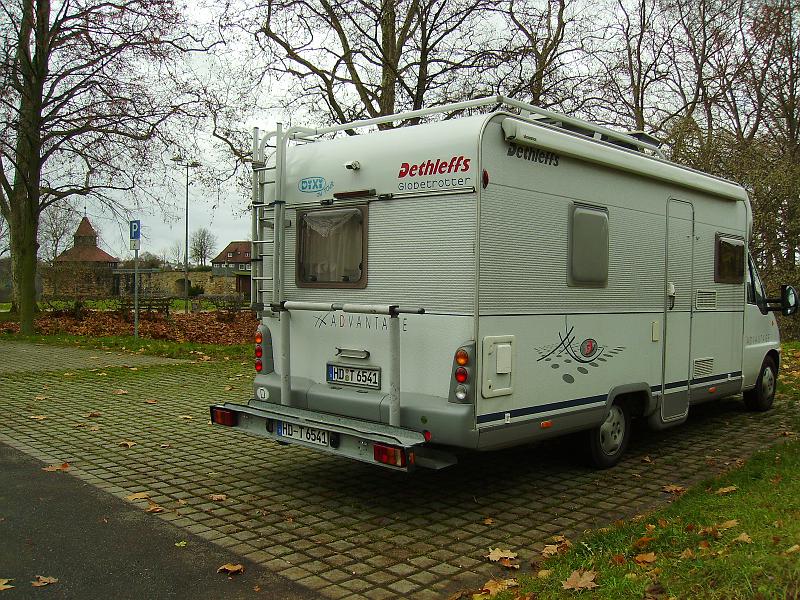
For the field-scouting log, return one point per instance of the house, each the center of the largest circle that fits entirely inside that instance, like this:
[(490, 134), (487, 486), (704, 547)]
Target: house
[(234, 260), (83, 271)]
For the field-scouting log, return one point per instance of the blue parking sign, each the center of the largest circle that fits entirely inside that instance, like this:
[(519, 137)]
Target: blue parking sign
[(136, 229)]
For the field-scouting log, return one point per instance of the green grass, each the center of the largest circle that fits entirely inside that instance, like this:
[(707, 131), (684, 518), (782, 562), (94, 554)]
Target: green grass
[(765, 505), (5, 306), (144, 345)]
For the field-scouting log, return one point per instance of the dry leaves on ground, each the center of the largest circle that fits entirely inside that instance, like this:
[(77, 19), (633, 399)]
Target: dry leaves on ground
[(152, 507), (496, 554), (91, 415), (151, 401), (744, 539), (645, 558), (688, 553), (618, 559), (127, 444), (42, 581), (228, 388), (61, 467), (793, 549), (488, 521), (544, 573), (493, 587), (726, 490), (218, 497), (41, 398), (560, 547), (4, 584), (120, 392), (38, 417), (138, 496), (580, 580), (231, 568), (728, 524), (642, 542), (673, 489), (509, 563)]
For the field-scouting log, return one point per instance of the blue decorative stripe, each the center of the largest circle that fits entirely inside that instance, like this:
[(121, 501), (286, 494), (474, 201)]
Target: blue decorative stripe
[(533, 410)]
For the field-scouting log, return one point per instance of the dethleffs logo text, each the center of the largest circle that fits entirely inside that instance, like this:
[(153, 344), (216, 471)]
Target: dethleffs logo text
[(439, 167)]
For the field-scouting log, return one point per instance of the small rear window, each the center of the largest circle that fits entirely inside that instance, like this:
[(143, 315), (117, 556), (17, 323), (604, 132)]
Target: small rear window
[(332, 248)]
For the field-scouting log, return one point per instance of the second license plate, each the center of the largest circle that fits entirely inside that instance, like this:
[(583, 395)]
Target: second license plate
[(303, 433), (358, 376)]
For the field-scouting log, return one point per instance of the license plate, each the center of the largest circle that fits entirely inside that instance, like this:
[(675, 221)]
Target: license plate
[(302, 433), (358, 376)]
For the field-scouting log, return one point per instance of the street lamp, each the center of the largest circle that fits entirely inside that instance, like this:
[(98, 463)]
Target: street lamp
[(180, 161)]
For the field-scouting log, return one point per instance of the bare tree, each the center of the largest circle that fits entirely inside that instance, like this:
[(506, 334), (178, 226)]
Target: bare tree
[(174, 253), (57, 225), (358, 59), (87, 89), (201, 245), (4, 246)]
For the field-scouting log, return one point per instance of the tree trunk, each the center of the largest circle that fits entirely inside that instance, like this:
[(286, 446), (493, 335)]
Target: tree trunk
[(24, 249)]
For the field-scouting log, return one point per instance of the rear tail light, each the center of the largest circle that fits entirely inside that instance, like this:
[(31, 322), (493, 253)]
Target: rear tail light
[(222, 416), (259, 351), (389, 455), (461, 392), (462, 357), (462, 375), (259, 365), (259, 337)]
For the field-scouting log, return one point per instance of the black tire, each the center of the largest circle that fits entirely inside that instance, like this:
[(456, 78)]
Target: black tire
[(761, 397), (608, 441)]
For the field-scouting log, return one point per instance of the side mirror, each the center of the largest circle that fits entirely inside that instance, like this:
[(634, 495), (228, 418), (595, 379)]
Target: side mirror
[(788, 300)]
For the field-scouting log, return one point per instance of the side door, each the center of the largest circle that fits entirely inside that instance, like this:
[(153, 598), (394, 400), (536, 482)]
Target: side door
[(759, 329), (678, 285)]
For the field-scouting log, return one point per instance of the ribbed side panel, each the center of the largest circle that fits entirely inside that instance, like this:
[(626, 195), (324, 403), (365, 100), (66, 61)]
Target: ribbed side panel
[(706, 300), (524, 248), (421, 253), (703, 367)]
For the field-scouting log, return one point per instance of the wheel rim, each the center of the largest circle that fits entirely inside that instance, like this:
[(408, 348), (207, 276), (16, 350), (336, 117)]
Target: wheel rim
[(767, 382), (612, 431)]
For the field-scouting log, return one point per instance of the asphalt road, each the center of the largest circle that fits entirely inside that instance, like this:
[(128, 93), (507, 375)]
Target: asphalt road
[(100, 547)]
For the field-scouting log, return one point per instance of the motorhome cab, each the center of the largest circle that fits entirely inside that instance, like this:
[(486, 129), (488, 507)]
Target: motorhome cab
[(493, 280)]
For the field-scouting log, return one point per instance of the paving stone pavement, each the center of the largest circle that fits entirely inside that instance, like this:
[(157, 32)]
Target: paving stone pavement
[(344, 529)]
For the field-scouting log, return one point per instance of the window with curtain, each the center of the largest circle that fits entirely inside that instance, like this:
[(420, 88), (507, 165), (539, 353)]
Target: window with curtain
[(331, 248)]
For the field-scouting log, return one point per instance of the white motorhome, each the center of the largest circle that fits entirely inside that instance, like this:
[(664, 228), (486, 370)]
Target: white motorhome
[(494, 280)]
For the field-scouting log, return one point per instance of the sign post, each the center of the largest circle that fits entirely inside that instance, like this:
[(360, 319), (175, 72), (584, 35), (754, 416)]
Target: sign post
[(136, 231)]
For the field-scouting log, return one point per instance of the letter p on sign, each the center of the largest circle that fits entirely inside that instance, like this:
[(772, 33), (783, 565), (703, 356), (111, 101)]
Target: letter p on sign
[(136, 230)]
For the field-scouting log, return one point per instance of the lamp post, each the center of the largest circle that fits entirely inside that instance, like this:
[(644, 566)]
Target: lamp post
[(180, 161)]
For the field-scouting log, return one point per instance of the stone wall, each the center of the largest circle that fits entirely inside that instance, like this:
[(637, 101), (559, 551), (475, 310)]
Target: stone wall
[(170, 283), (77, 281)]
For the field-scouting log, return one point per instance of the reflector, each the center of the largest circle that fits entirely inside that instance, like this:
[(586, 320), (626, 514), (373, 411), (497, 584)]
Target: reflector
[(221, 416)]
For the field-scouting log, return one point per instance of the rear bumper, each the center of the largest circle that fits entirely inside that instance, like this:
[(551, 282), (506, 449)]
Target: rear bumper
[(349, 438)]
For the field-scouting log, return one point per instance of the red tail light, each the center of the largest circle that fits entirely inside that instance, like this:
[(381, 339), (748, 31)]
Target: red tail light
[(222, 416), (389, 455), (461, 375), (259, 351), (259, 365)]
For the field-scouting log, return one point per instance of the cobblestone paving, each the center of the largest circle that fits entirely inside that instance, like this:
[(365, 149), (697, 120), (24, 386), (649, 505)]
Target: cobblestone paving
[(344, 529), (21, 356)]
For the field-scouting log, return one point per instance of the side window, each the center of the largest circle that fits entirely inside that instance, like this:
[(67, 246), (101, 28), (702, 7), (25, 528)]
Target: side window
[(728, 259), (588, 246), (755, 289), (332, 248)]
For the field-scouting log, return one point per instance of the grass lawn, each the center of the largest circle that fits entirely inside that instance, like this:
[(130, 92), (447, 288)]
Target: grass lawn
[(733, 536), (166, 348)]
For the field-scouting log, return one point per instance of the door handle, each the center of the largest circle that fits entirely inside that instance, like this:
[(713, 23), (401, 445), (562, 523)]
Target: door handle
[(671, 294)]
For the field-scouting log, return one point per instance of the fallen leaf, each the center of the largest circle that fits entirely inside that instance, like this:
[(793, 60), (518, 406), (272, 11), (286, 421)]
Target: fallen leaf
[(580, 580), (41, 398), (618, 559), (228, 388), (165, 446), (218, 497), (94, 428), (127, 444), (231, 569), (650, 527), (138, 496), (509, 563), (528, 596), (181, 544), (92, 414), (775, 480), (120, 392), (488, 521), (38, 417), (662, 523), (544, 573), (496, 554), (728, 524), (42, 581), (494, 586), (642, 542), (688, 553), (187, 417), (646, 558), (793, 549), (726, 490), (4, 584), (61, 467), (710, 532), (744, 538), (152, 507), (647, 459), (256, 588), (673, 489), (151, 401), (704, 545)]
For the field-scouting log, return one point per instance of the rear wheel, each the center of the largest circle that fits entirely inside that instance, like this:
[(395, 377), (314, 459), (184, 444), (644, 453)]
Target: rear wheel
[(761, 397), (607, 443)]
